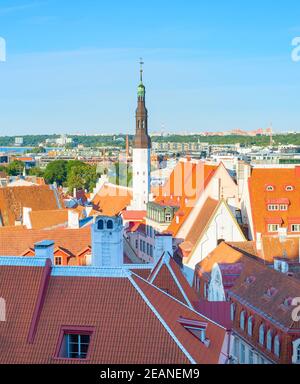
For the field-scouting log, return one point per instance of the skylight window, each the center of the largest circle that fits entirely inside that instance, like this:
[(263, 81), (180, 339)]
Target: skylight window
[(74, 343)]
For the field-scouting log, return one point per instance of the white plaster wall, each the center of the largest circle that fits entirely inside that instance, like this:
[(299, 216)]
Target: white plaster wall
[(141, 178)]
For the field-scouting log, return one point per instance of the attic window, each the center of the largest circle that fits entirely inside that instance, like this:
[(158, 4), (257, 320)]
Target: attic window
[(270, 188), (74, 343), (288, 301), (289, 188), (250, 279), (196, 328)]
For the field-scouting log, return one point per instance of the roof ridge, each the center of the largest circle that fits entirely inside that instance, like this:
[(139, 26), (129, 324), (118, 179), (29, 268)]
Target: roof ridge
[(178, 301), (159, 317)]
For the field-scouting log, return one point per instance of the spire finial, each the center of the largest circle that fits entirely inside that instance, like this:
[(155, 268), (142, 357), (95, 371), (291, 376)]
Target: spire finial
[(141, 70)]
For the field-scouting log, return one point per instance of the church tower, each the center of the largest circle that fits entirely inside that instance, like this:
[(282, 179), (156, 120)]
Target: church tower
[(141, 156)]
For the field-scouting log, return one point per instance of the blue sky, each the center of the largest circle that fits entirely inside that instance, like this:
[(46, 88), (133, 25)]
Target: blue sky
[(72, 66)]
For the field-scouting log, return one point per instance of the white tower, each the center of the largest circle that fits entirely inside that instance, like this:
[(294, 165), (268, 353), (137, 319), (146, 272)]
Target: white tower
[(107, 242), (141, 157)]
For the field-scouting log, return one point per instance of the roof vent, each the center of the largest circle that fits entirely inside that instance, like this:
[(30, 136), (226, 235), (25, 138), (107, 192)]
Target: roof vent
[(250, 280), (271, 292)]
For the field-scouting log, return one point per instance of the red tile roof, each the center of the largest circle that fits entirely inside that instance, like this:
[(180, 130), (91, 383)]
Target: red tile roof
[(111, 200), (132, 321), (12, 201), (279, 178), (14, 241)]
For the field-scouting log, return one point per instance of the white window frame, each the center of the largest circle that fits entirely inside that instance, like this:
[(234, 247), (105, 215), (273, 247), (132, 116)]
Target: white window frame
[(293, 226), (273, 228), (273, 207)]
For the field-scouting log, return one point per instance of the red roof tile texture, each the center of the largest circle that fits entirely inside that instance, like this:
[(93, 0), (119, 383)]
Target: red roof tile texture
[(260, 197), (12, 201)]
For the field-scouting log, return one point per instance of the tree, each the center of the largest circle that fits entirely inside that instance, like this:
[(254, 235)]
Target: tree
[(15, 168), (3, 169), (82, 176), (36, 171), (56, 172)]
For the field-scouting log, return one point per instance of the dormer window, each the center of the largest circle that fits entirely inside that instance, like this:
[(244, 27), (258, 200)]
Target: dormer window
[(289, 188), (196, 328), (270, 188)]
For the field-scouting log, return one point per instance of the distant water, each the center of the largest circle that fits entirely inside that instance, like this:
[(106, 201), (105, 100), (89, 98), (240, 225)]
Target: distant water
[(20, 150)]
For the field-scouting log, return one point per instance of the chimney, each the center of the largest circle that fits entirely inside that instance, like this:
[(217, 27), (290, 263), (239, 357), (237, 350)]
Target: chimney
[(107, 242), (45, 249), (163, 244), (73, 219), (26, 217)]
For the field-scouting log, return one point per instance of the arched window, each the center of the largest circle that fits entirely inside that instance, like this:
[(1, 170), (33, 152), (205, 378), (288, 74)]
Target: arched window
[(110, 224), (262, 334), (100, 224), (250, 326), (232, 311), (242, 320), (269, 340), (277, 346)]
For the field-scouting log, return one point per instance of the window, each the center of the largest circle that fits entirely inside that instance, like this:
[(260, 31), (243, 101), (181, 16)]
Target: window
[(269, 340), (273, 227), (58, 260), (136, 244), (289, 188), (273, 207), (74, 344), (148, 251), (284, 207), (277, 346), (250, 326), (295, 228), (242, 320), (262, 335), (270, 188), (168, 217), (151, 250), (298, 354), (243, 354), (251, 357), (236, 346), (232, 311), (198, 332), (110, 224), (100, 225)]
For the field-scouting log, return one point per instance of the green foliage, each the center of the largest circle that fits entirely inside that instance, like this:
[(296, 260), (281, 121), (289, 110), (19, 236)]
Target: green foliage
[(82, 176), (56, 172), (36, 150), (3, 169), (15, 168), (73, 174), (36, 171)]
